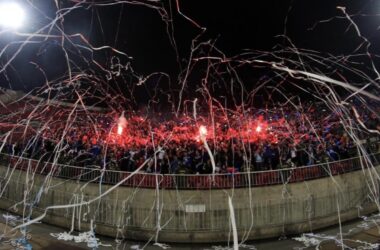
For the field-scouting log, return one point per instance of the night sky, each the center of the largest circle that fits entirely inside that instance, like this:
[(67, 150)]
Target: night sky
[(140, 32)]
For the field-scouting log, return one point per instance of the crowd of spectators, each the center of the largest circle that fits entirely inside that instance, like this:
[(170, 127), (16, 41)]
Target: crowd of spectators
[(276, 138)]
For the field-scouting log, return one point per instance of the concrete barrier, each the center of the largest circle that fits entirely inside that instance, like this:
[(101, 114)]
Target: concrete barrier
[(192, 215)]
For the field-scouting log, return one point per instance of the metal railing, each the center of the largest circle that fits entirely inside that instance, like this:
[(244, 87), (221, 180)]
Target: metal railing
[(183, 181)]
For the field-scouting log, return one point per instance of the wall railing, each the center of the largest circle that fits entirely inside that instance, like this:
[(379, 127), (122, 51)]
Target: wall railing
[(187, 181)]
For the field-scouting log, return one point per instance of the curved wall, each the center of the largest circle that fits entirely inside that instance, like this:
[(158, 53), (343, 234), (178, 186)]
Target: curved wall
[(193, 215)]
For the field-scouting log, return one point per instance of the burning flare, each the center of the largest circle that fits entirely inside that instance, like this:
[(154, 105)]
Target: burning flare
[(121, 124)]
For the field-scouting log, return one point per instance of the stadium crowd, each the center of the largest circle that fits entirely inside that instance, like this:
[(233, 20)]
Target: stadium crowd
[(259, 140)]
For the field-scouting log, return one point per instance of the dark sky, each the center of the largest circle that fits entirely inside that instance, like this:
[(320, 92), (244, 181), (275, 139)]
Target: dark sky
[(140, 32), (237, 25)]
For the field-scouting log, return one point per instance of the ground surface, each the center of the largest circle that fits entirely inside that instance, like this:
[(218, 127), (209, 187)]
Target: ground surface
[(354, 234)]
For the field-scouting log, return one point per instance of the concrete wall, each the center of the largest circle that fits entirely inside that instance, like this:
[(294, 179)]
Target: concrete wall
[(193, 215)]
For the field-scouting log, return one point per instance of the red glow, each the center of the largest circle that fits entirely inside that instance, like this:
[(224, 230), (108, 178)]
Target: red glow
[(202, 131), (258, 129), (119, 129)]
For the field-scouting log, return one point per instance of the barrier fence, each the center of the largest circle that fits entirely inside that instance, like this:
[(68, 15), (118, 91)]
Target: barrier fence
[(182, 181)]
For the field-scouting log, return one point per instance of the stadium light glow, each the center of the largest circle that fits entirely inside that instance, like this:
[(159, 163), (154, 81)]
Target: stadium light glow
[(12, 15)]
